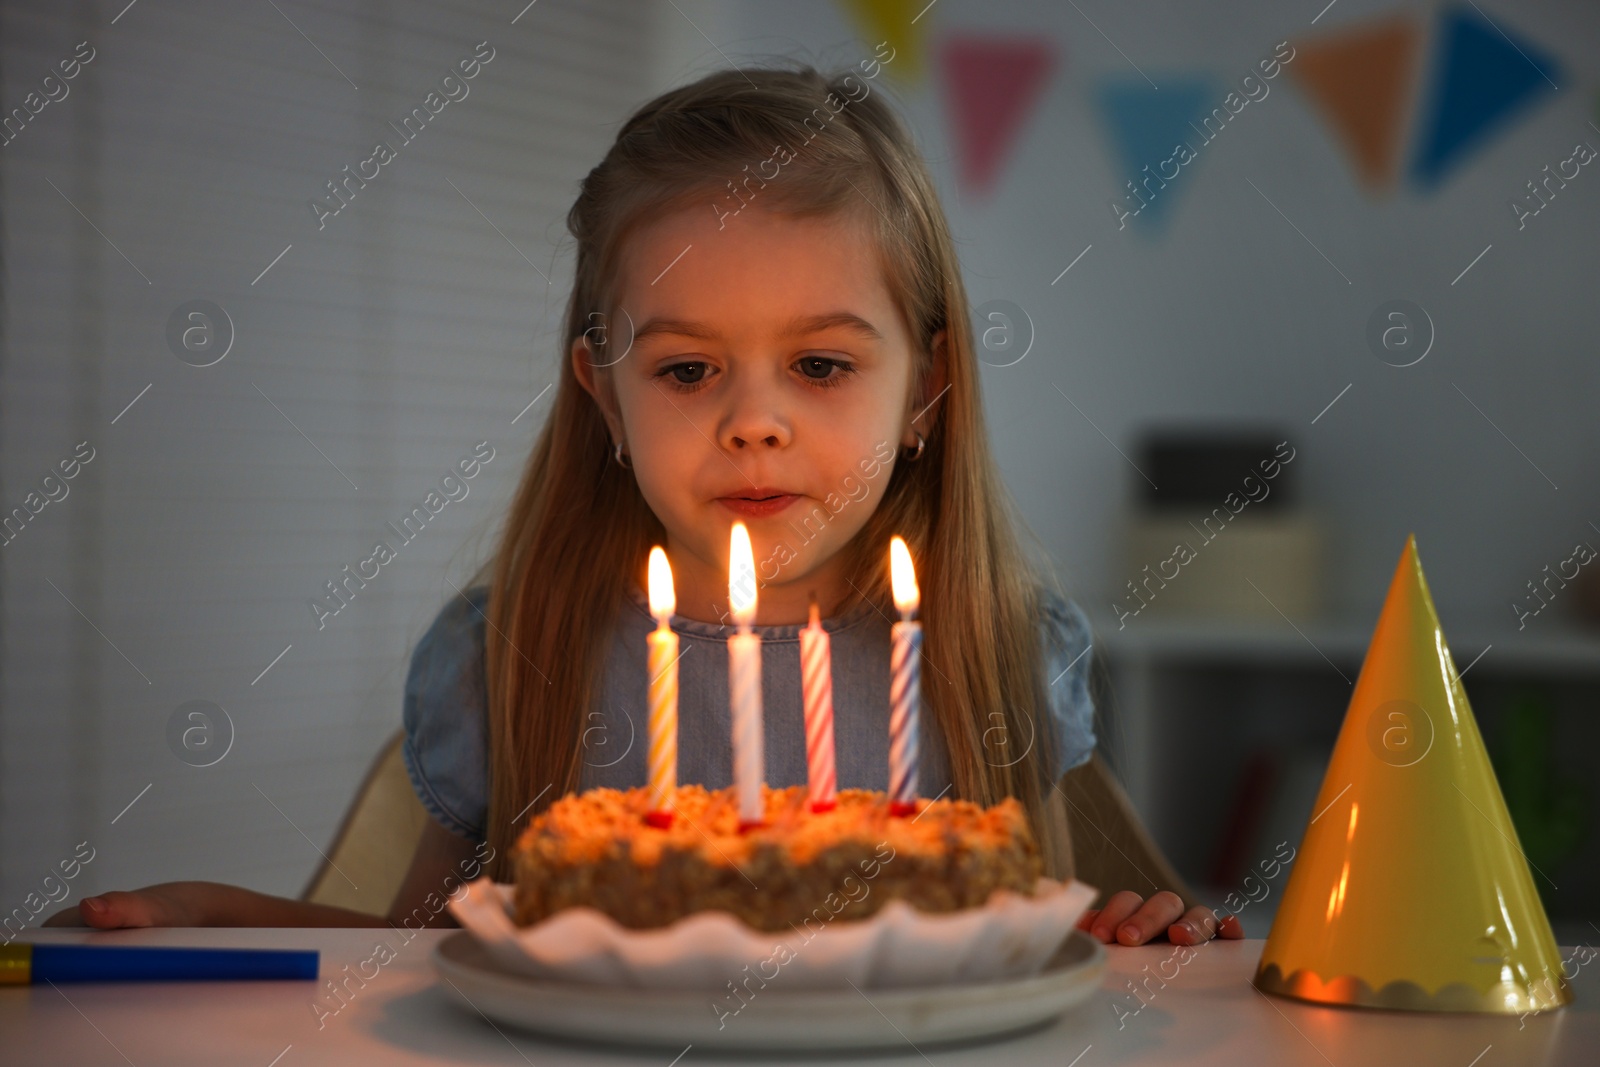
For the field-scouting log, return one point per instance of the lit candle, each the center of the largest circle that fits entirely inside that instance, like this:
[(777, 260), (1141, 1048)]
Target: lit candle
[(744, 680), (904, 683), (663, 693), (816, 679)]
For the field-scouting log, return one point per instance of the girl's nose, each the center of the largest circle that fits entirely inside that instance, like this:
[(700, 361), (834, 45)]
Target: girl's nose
[(754, 421)]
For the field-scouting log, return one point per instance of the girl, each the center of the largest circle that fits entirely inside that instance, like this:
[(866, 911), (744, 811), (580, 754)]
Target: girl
[(767, 324)]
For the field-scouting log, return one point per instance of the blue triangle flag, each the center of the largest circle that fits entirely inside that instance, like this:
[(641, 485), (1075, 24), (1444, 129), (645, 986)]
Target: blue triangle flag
[(1482, 77), (1146, 126)]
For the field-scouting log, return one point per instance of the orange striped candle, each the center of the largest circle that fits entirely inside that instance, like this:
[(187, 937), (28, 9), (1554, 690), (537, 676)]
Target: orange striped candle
[(663, 693), (816, 679)]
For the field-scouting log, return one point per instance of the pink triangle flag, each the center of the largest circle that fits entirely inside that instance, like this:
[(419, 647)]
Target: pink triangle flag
[(990, 85)]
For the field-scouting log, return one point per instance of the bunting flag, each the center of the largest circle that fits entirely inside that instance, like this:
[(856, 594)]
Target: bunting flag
[(1483, 76), (1146, 126), (900, 23), (1361, 80), (990, 84)]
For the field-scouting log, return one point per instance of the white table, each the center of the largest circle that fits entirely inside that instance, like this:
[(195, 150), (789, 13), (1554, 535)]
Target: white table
[(1208, 1014)]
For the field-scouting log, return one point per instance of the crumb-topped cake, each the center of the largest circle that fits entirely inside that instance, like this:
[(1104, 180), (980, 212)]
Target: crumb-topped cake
[(596, 849)]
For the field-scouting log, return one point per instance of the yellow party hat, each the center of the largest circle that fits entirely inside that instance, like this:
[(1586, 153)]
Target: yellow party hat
[(1410, 889)]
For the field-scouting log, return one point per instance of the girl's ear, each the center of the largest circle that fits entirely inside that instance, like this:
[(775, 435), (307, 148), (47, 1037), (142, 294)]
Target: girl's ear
[(924, 412), (587, 372)]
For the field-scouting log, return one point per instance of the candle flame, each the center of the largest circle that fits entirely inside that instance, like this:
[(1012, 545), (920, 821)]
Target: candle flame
[(902, 576), (742, 576), (663, 600)]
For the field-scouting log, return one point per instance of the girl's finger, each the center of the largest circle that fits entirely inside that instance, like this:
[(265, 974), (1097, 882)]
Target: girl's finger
[(110, 911), (1086, 920), (1198, 925), (1154, 917), (1113, 914)]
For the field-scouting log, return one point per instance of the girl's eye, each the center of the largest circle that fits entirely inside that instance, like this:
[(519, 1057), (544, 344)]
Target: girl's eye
[(687, 373), (819, 369)]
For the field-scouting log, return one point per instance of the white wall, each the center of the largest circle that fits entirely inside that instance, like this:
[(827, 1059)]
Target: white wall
[(1233, 316)]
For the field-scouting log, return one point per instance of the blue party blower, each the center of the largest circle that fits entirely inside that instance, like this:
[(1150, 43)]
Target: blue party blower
[(23, 963)]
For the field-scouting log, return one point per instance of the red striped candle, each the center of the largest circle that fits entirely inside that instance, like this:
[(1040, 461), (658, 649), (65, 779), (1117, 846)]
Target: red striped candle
[(816, 679)]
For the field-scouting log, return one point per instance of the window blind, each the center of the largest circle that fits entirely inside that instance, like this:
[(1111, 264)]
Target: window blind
[(262, 343)]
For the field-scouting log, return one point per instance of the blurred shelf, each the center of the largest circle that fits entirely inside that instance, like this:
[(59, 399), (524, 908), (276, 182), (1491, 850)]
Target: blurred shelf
[(1554, 645), (1193, 695)]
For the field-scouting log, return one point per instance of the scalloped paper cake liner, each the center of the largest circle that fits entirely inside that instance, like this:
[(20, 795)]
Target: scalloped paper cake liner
[(898, 946)]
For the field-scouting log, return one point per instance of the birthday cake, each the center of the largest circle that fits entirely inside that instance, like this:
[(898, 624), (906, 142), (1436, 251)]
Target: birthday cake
[(800, 867)]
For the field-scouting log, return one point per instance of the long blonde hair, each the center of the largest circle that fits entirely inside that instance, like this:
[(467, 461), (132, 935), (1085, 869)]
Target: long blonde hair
[(579, 530)]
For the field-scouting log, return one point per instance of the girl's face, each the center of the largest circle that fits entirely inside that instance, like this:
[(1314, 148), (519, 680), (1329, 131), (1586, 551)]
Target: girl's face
[(768, 380)]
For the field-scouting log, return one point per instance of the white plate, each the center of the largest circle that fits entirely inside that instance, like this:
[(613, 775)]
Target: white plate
[(773, 1017), (1011, 936)]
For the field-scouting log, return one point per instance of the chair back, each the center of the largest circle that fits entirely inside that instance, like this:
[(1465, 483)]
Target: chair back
[(1111, 849), (370, 855)]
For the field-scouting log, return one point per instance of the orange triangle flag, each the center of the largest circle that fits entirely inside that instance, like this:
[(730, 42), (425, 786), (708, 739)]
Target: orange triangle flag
[(1410, 889), (1360, 80)]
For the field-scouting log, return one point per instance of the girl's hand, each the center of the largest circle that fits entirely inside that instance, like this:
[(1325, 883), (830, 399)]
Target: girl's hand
[(211, 904), (166, 904), (1129, 919)]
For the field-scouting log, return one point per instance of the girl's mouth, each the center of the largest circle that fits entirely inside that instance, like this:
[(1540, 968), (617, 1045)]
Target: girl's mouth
[(758, 504)]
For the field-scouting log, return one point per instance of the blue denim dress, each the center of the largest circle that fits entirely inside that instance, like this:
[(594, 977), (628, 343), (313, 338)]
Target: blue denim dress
[(446, 750)]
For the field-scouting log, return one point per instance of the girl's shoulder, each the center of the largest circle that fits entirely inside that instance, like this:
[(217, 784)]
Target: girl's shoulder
[(1066, 640), (1061, 620), (445, 716), (452, 644)]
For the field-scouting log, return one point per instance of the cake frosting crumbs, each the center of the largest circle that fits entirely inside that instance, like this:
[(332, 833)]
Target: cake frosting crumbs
[(595, 849)]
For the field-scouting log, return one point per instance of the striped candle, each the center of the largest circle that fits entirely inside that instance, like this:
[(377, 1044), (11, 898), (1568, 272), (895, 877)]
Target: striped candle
[(905, 672), (744, 681), (816, 680), (663, 693)]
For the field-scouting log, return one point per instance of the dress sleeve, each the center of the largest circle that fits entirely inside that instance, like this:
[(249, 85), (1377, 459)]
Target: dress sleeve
[(1066, 640), (446, 750)]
